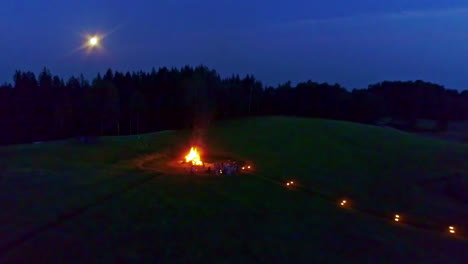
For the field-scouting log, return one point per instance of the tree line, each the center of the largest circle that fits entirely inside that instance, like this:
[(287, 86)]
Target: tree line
[(48, 107)]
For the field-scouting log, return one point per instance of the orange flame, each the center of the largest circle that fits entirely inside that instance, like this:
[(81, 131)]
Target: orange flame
[(193, 157)]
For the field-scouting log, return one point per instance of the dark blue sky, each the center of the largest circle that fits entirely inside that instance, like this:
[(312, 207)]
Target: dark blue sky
[(353, 43)]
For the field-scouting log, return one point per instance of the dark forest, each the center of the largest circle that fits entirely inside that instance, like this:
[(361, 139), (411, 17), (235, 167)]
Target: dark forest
[(47, 107)]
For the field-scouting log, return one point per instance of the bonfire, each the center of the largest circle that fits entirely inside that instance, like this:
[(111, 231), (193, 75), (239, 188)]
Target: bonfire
[(226, 167), (193, 157)]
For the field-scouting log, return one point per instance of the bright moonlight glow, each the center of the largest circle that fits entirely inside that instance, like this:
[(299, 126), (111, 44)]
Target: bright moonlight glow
[(93, 41)]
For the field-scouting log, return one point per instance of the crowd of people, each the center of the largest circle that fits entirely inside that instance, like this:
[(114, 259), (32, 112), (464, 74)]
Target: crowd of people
[(223, 168), (228, 168)]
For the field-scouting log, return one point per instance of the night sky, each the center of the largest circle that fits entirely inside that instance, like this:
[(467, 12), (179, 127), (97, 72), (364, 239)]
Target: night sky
[(353, 43)]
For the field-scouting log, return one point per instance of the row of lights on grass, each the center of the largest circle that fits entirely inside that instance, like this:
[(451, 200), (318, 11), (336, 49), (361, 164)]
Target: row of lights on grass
[(397, 217)]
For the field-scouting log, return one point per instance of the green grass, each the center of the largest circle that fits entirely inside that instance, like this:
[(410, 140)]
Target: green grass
[(247, 219)]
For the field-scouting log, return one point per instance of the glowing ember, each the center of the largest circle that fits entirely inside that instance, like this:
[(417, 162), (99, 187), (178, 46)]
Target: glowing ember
[(193, 157)]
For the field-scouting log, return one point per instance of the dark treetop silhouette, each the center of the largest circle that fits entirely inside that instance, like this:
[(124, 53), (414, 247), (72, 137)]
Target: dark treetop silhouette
[(47, 107)]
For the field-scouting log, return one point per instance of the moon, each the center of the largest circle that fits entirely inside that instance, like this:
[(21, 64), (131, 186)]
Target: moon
[(93, 41)]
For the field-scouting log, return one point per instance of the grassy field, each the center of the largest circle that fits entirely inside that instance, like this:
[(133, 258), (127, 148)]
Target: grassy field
[(66, 202)]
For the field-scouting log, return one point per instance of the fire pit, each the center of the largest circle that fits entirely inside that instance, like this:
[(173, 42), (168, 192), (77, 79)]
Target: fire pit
[(193, 157), (193, 164)]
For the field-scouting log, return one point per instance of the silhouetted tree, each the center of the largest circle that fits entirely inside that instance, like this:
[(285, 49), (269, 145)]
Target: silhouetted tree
[(138, 108), (135, 102)]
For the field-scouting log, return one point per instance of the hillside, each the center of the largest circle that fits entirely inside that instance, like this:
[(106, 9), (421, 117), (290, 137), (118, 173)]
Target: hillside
[(70, 202)]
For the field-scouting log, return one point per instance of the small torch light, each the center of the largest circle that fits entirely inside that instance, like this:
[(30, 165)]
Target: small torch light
[(452, 229)]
